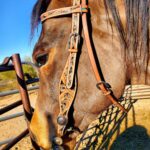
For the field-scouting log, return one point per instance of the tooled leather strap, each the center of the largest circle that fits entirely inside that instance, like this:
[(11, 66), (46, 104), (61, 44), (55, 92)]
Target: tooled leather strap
[(64, 11), (68, 81), (100, 84)]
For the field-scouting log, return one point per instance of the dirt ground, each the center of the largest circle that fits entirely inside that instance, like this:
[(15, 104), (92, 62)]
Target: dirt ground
[(132, 132), (11, 128)]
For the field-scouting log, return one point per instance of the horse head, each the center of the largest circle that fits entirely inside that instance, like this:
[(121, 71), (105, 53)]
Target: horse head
[(51, 55)]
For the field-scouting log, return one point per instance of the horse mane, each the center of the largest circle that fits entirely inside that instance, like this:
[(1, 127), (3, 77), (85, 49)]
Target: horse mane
[(134, 36)]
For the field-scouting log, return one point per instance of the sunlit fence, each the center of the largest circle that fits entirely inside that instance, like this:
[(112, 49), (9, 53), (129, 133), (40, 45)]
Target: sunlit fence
[(13, 63)]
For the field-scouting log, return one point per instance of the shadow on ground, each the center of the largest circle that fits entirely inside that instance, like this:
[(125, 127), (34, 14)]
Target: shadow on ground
[(134, 138)]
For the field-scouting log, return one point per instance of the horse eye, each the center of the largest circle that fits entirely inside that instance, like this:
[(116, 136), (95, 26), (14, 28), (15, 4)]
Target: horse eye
[(41, 59)]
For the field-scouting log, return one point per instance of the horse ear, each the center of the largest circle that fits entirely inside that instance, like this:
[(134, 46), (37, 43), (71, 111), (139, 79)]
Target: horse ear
[(39, 8)]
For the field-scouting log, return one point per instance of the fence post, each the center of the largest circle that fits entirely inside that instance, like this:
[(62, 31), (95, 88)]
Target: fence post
[(17, 66), (22, 86), (23, 92)]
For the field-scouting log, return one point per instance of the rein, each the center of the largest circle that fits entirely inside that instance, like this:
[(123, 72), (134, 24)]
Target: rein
[(68, 81)]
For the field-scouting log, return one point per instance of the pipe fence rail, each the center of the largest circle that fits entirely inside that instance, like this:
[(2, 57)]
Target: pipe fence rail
[(14, 63), (2, 94)]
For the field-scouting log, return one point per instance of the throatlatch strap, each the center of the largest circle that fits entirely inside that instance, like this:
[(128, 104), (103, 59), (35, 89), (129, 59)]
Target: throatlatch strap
[(104, 89)]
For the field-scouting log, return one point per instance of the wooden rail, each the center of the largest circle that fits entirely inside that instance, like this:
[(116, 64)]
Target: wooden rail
[(137, 92)]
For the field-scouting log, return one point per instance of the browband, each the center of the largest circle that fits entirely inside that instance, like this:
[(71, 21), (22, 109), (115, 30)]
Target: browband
[(64, 11)]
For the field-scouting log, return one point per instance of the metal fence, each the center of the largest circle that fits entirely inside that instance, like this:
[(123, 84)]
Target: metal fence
[(16, 65)]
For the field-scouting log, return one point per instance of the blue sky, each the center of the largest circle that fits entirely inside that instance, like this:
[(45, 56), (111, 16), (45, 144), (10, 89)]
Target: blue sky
[(15, 28)]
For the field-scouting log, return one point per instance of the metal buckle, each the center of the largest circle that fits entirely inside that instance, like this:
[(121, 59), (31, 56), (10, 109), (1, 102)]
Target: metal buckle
[(74, 36), (107, 85)]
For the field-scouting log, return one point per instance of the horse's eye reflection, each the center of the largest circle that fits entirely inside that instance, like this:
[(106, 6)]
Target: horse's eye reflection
[(41, 59)]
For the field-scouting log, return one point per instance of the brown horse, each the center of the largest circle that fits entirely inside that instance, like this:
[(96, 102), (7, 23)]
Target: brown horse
[(120, 34)]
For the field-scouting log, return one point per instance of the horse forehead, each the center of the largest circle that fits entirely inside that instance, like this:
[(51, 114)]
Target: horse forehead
[(59, 3)]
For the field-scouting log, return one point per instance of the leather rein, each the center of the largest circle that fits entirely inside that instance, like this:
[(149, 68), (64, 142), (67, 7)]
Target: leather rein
[(68, 81)]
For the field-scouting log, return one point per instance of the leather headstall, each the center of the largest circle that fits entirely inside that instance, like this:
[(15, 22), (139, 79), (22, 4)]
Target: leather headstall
[(68, 81)]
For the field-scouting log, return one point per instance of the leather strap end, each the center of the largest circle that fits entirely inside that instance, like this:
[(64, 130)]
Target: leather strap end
[(120, 107)]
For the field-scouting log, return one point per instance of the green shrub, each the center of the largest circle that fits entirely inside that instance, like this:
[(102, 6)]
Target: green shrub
[(29, 69), (8, 79)]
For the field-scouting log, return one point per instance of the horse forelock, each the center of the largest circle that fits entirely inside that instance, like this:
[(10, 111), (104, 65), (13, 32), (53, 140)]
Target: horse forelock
[(39, 8)]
